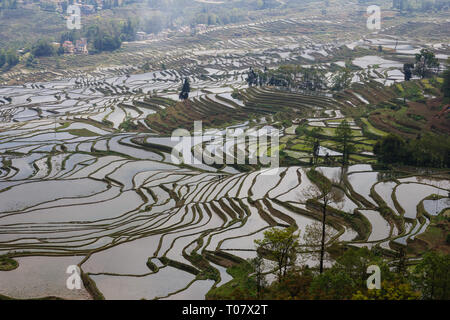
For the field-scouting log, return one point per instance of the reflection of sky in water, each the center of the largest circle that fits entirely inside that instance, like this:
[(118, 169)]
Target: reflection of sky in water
[(434, 207)]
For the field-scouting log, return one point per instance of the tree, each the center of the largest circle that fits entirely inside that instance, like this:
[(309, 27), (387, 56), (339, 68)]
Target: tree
[(11, 57), (426, 62), (400, 264), (431, 276), (60, 50), (128, 30), (281, 246), (295, 285), (390, 149), (343, 136), (312, 239), (312, 142), (332, 285), (184, 94), (2, 57), (29, 59), (42, 48), (252, 77), (355, 261), (258, 265), (407, 70), (342, 79), (445, 86), (326, 194)]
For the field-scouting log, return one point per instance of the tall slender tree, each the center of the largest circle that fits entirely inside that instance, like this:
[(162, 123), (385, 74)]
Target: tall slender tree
[(184, 94), (343, 136)]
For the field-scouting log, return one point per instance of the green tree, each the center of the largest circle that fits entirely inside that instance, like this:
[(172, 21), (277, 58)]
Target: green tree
[(431, 276), (407, 71), (2, 57), (281, 246), (29, 60), (426, 61), (332, 284), (11, 57), (42, 48), (295, 285), (354, 262), (390, 149), (258, 265)]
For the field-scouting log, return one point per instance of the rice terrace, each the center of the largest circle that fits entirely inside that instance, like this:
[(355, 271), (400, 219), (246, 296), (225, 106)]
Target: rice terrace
[(355, 122)]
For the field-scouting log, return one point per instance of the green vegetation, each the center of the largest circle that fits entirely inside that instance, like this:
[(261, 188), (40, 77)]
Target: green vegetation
[(291, 76), (410, 6), (7, 264), (184, 94), (240, 287), (426, 63), (346, 279), (428, 150), (42, 48), (280, 245), (446, 83), (82, 133), (431, 276), (343, 136)]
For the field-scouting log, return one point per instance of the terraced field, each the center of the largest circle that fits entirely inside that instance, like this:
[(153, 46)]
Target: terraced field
[(87, 175)]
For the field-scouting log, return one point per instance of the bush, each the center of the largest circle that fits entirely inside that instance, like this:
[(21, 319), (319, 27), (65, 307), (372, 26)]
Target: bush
[(42, 48)]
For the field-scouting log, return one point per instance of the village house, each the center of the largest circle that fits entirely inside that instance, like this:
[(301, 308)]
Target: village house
[(81, 46), (68, 47)]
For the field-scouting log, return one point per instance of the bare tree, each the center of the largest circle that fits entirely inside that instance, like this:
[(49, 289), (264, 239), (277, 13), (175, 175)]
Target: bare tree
[(312, 240), (326, 194), (260, 279)]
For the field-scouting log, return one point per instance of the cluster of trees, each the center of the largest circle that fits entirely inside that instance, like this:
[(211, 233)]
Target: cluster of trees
[(428, 150), (108, 35), (8, 4), (426, 63), (42, 48), (346, 279), (290, 76), (342, 79), (104, 35), (153, 24), (8, 58), (421, 6), (211, 15), (343, 138), (221, 17)]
